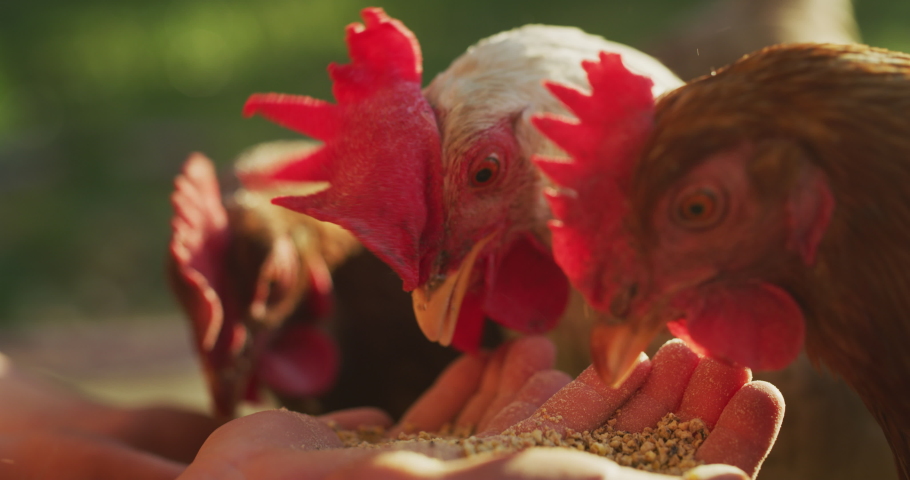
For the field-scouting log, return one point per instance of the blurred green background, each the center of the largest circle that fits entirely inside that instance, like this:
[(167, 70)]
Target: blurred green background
[(101, 101)]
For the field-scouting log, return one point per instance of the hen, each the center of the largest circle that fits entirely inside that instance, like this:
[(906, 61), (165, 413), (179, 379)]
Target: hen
[(439, 183), (238, 272), (259, 284), (761, 206)]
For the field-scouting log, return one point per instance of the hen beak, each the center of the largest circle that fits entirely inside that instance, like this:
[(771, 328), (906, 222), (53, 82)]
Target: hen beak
[(615, 347), (437, 305)]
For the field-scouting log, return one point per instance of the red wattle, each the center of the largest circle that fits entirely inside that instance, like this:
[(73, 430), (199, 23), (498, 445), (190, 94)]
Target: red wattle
[(469, 330), (302, 361), (757, 325), (528, 292)]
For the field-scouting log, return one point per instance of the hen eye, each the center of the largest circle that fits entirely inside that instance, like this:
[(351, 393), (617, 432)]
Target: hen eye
[(485, 171), (699, 208)]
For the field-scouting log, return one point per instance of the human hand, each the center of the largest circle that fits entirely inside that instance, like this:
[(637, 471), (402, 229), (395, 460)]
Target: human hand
[(743, 416), (489, 392), (281, 444), (47, 431)]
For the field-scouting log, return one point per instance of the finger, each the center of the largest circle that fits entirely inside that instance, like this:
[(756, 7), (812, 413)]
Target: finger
[(713, 384), (267, 430), (586, 403), (537, 390), (746, 429), (277, 463), (489, 384), (717, 471), (528, 356), (353, 418), (241, 448), (671, 369), (70, 456), (168, 432), (533, 463), (442, 401), (399, 465), (283, 445), (359, 464)]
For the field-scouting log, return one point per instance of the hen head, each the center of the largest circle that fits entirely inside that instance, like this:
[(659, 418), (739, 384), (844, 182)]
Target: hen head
[(254, 293), (440, 185), (494, 259), (725, 211), (382, 164)]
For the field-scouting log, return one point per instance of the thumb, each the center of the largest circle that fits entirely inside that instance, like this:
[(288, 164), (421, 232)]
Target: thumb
[(169, 432), (717, 471)]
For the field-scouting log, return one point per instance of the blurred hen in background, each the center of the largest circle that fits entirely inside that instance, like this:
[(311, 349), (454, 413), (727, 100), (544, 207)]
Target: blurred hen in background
[(282, 303)]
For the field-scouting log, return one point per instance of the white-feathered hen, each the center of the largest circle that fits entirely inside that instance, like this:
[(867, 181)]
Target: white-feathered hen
[(439, 182), (493, 256)]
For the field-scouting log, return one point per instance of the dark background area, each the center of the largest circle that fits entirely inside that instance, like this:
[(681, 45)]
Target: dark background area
[(100, 102)]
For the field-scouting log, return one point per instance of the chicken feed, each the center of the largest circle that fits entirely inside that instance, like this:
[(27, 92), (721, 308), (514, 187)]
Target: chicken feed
[(668, 448)]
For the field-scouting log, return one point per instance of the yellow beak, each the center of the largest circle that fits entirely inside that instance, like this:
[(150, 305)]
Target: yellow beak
[(437, 303), (615, 348)]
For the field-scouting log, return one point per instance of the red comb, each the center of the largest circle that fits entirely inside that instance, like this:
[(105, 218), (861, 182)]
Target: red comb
[(381, 146), (613, 123)]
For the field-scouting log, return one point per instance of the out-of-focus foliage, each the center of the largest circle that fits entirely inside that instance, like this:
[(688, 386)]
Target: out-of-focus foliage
[(884, 23), (100, 101)]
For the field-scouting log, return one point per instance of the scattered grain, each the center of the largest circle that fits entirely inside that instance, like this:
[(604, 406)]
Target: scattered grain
[(667, 448)]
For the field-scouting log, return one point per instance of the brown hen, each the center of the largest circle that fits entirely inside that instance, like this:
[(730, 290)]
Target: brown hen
[(767, 207)]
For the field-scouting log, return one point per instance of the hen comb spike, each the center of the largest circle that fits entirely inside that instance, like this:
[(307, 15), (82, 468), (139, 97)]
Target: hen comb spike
[(381, 151), (198, 241), (589, 203), (384, 51)]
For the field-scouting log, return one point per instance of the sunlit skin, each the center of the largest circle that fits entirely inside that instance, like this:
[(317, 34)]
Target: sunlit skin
[(505, 389), (50, 432)]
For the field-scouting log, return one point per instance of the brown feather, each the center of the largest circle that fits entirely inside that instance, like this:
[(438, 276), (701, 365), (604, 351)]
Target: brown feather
[(846, 109)]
